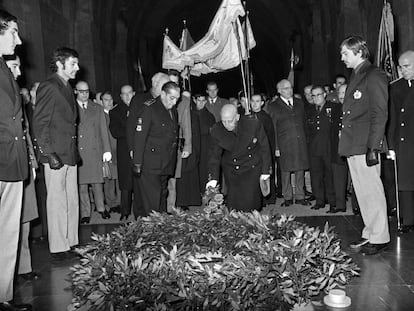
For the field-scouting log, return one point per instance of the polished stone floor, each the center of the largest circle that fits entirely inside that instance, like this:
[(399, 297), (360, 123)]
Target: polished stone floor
[(386, 281)]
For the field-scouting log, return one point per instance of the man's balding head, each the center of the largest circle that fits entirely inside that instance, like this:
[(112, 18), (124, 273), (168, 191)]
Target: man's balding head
[(127, 92), (284, 88), (406, 63), (229, 116)]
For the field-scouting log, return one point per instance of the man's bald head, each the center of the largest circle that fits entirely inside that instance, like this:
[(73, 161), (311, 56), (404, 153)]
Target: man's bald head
[(82, 91), (406, 63), (284, 88), (127, 92), (229, 116)]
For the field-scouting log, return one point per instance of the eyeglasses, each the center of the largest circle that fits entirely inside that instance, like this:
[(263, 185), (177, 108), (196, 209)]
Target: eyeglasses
[(316, 95), (82, 91)]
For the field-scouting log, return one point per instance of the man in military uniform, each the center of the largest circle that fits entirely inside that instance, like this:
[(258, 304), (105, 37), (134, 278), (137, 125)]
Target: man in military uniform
[(319, 127), (155, 147), (241, 147), (401, 137)]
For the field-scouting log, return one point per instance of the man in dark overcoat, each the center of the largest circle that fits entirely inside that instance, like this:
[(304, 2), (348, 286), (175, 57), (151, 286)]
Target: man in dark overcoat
[(319, 131), (289, 121), (207, 120), (257, 103), (241, 147), (365, 113), (401, 137), (155, 147), (118, 127)]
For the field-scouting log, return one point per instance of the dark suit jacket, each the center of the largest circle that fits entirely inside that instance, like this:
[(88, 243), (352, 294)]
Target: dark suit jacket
[(54, 121), (216, 108), (400, 134), (365, 111), (290, 134), (155, 139), (135, 108), (319, 130), (13, 152)]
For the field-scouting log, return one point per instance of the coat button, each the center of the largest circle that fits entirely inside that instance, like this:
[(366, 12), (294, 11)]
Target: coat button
[(402, 139), (317, 122), (349, 125), (253, 166), (14, 118), (16, 138), (237, 167), (152, 149), (403, 124), (250, 155), (317, 128), (24, 137), (234, 160), (348, 112), (402, 109), (343, 113), (343, 126)]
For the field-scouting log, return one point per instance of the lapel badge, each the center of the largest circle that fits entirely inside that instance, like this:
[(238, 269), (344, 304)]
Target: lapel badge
[(357, 94)]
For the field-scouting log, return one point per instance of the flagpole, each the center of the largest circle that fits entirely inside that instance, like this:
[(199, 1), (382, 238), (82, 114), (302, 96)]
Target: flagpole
[(241, 64), (247, 64)]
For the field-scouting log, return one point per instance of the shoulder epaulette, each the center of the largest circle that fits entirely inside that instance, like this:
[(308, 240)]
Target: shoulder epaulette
[(149, 102)]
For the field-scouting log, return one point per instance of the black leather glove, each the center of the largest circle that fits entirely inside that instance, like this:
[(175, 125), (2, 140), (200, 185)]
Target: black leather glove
[(136, 170), (54, 161), (371, 157)]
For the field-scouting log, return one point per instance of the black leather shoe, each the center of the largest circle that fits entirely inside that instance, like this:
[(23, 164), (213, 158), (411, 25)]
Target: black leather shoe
[(9, 306), (405, 229), (115, 209), (372, 249), (334, 210), (105, 214), (123, 218), (31, 276), (317, 206), (303, 202), (58, 257), (85, 220), (356, 212), (287, 203), (359, 243)]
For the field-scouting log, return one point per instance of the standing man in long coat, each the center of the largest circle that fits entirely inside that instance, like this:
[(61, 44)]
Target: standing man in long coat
[(94, 149), (155, 147), (365, 113), (241, 147), (401, 137), (118, 127), (289, 121)]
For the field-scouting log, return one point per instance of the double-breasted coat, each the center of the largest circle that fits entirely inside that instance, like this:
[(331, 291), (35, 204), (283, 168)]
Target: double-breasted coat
[(13, 152), (155, 139), (365, 111), (290, 134), (93, 142), (401, 131), (244, 155)]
